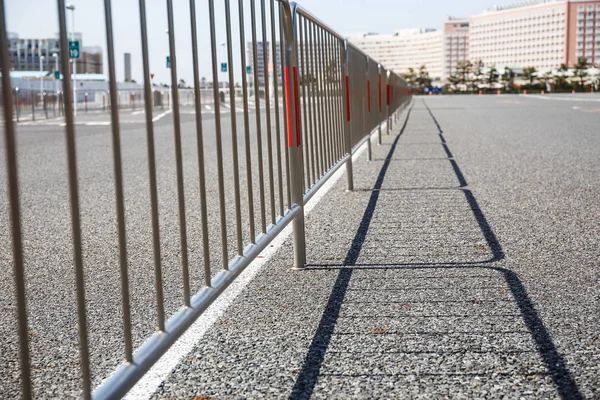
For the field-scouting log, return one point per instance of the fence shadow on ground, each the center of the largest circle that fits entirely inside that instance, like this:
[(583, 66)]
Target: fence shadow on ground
[(313, 364)]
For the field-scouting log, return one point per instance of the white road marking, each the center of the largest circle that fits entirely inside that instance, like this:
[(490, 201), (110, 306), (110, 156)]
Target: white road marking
[(138, 112), (576, 108), (99, 123), (208, 107), (159, 116), (159, 372), (583, 99)]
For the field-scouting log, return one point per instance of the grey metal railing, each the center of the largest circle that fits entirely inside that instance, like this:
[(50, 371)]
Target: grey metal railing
[(335, 97)]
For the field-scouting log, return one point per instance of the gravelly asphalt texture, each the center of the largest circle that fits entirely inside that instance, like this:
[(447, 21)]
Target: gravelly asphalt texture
[(464, 265)]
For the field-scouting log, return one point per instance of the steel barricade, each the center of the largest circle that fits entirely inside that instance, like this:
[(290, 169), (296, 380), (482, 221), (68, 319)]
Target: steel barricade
[(334, 97)]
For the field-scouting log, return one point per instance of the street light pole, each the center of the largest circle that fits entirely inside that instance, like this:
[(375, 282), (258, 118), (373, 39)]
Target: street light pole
[(74, 60), (42, 77)]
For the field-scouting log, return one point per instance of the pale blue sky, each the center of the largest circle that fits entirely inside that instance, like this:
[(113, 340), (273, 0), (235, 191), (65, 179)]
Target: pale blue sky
[(38, 18)]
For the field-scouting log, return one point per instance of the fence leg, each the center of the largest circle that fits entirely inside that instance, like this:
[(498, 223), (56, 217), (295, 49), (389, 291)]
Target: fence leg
[(379, 135), (347, 125), (369, 156), (295, 150), (17, 109), (32, 98)]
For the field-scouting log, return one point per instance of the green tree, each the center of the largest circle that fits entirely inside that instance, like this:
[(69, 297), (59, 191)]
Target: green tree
[(509, 78), (478, 73), (492, 76), (560, 79), (581, 70), (463, 72), (530, 74), (410, 77), (423, 79), (545, 79)]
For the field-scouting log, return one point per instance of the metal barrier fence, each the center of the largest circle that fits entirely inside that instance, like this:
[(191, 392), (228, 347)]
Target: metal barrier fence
[(335, 97)]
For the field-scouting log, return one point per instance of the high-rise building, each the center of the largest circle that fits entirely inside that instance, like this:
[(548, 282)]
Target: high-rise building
[(258, 67), (127, 67), (456, 45), (541, 34), (404, 49)]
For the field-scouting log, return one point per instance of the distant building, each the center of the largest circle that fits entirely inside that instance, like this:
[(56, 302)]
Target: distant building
[(258, 67), (404, 49), (456, 45), (541, 34), (127, 67), (28, 54)]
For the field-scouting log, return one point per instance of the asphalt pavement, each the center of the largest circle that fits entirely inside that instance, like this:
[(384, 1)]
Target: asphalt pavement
[(464, 265)]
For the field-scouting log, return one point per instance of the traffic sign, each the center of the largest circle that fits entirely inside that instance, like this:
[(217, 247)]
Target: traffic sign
[(248, 69), (223, 67), (56, 74), (74, 49), (168, 62)]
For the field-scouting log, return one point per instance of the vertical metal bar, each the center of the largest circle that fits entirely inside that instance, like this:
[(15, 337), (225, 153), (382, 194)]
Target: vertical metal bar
[(200, 144), (276, 91), (12, 173), (326, 67), (303, 74), (324, 148), (294, 143), (348, 134), (316, 118), (368, 109), (265, 43), (120, 202), (379, 103), (178, 157), (282, 41), (308, 98), (74, 198), (160, 308), (246, 125), (337, 98), (234, 146), (261, 178), (217, 104)]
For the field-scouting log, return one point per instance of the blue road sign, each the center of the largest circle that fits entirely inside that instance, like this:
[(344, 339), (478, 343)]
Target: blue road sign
[(168, 62), (248, 69), (223, 67)]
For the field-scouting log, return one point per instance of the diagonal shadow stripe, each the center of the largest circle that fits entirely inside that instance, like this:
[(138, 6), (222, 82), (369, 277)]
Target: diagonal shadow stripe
[(307, 379)]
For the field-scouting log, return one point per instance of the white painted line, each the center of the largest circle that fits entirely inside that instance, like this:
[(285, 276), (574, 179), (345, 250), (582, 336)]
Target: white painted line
[(159, 372), (576, 108), (138, 112), (582, 99), (97, 123), (159, 116), (208, 107)]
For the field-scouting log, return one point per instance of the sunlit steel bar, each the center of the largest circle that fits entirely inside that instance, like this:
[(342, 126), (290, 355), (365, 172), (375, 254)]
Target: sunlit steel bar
[(200, 144), (74, 198), (282, 44), (302, 45), (120, 202), (315, 101), (321, 98), (265, 44), (261, 178), (160, 310), (308, 99), (215, 74), (234, 145), (294, 131), (347, 125), (12, 174), (276, 92), (178, 157), (248, 149)]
